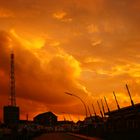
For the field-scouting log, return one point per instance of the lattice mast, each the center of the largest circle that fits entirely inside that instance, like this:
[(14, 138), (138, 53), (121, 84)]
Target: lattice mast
[(12, 81)]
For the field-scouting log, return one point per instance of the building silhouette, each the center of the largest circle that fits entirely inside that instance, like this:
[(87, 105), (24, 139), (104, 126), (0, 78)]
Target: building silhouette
[(47, 119), (123, 123)]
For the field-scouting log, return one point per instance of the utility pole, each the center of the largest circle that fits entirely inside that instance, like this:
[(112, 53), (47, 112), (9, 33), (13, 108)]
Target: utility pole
[(103, 107), (132, 103), (100, 109), (94, 110), (106, 104), (116, 100), (89, 111)]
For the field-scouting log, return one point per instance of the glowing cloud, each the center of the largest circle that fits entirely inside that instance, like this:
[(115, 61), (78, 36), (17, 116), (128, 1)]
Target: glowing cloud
[(88, 47)]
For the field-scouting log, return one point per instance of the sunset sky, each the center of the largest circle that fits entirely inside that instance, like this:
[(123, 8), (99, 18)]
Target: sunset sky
[(87, 47)]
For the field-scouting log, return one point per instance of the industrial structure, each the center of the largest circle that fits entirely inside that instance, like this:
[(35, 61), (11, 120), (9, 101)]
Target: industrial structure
[(11, 112), (113, 125), (123, 122)]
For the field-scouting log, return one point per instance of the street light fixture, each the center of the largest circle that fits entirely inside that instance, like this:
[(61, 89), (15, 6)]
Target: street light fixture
[(79, 99)]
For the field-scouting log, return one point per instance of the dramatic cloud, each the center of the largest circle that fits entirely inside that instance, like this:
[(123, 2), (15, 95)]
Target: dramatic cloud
[(87, 47), (41, 75)]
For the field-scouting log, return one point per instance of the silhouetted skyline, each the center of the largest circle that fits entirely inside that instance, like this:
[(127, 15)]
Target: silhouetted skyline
[(86, 47)]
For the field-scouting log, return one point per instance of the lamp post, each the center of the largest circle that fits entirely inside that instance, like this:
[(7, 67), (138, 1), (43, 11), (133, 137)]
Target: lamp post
[(79, 99)]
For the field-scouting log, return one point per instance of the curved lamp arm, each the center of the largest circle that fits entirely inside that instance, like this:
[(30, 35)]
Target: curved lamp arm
[(79, 99)]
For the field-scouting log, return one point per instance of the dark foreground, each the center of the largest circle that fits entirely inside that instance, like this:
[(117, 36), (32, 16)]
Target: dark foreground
[(58, 136), (72, 136)]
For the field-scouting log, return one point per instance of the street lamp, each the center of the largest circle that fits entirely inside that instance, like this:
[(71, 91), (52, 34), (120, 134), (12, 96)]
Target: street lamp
[(79, 99)]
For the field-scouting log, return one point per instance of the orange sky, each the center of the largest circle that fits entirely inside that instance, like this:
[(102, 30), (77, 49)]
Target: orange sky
[(87, 47)]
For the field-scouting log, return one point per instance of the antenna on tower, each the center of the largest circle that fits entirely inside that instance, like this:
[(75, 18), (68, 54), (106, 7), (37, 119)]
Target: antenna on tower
[(129, 95), (11, 112), (12, 81), (116, 100)]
